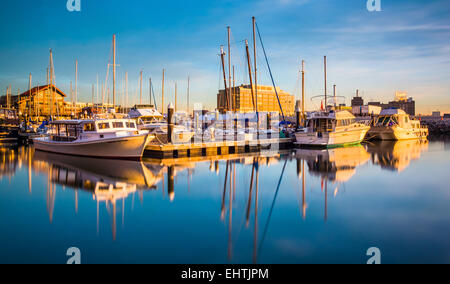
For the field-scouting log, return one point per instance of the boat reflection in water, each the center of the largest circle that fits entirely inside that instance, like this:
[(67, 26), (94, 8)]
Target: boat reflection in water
[(109, 181), (244, 204), (396, 155), (336, 165)]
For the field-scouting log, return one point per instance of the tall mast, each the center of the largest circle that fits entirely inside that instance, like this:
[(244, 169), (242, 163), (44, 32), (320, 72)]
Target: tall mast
[(303, 89), (150, 90), (188, 90), (176, 96), (76, 81), (250, 72), (103, 95), (162, 103), (51, 82), (114, 71), (256, 69), (229, 69), (222, 56), (29, 83), (233, 94), (126, 89), (140, 88), (97, 89), (71, 93), (93, 93), (325, 73)]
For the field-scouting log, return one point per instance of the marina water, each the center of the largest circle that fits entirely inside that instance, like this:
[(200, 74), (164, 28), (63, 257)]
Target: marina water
[(305, 206)]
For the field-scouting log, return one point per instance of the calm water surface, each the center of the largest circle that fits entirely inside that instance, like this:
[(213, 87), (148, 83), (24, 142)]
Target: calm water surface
[(307, 206)]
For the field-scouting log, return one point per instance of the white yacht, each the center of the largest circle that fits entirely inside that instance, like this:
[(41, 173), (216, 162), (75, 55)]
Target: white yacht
[(330, 129), (103, 138), (395, 124)]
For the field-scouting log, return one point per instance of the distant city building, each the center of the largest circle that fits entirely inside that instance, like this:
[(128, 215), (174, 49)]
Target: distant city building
[(447, 116), (401, 102), (357, 101), (242, 101), (366, 110), (436, 114)]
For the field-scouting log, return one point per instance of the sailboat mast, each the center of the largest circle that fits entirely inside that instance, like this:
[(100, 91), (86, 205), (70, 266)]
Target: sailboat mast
[(162, 103), (150, 90), (256, 69), (188, 90), (114, 71), (97, 90), (175, 96), (51, 81), (76, 80), (222, 56), (325, 74), (229, 69), (303, 89), (140, 88), (126, 89), (250, 73), (29, 83)]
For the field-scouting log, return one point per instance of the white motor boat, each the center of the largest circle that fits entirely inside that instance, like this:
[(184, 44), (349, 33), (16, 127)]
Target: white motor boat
[(334, 128), (103, 138), (395, 124)]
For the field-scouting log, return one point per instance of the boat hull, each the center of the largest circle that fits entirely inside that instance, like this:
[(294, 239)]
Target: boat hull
[(131, 147), (331, 139), (396, 133)]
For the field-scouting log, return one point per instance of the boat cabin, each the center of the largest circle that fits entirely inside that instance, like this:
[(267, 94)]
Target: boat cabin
[(329, 121), (71, 130), (392, 117), (146, 115)]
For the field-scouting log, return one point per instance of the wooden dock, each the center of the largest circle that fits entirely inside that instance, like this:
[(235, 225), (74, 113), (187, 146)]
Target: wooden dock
[(217, 148)]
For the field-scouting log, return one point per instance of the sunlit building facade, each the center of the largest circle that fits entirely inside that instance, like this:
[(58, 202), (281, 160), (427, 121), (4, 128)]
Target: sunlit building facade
[(243, 101)]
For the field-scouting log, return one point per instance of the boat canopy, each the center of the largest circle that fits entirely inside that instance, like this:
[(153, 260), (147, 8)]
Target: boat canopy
[(338, 115), (147, 112), (71, 122), (392, 111)]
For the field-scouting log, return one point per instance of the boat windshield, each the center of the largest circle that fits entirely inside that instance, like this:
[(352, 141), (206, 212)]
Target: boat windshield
[(321, 124), (386, 121), (64, 132)]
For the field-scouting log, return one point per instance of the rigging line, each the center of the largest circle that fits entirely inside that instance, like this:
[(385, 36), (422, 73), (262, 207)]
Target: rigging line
[(271, 208), (154, 98), (270, 71)]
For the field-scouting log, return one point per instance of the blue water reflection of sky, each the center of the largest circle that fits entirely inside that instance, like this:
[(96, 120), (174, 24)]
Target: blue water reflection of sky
[(403, 212)]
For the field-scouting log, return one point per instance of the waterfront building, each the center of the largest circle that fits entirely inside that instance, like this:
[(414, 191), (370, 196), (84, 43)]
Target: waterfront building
[(242, 100), (40, 101)]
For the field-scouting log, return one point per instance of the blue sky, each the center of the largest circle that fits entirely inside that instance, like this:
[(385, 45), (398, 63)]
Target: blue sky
[(406, 46)]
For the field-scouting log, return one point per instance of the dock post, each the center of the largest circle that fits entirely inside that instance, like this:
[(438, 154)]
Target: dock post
[(170, 111), (298, 117)]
